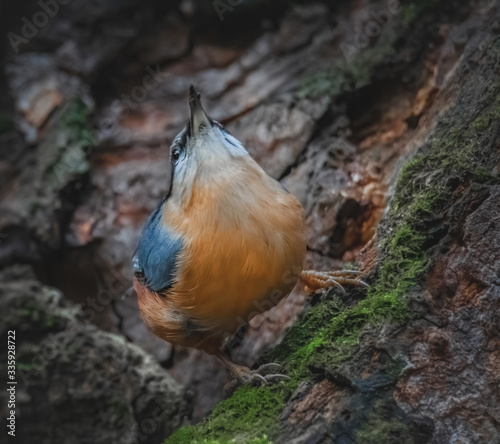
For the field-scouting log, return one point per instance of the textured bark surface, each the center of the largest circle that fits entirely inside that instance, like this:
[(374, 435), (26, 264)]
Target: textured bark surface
[(390, 142), (77, 383)]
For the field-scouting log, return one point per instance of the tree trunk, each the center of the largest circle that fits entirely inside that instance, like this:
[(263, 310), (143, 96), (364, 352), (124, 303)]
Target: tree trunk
[(381, 117)]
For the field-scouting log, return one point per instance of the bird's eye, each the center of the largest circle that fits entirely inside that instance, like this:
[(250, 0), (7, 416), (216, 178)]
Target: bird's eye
[(176, 153)]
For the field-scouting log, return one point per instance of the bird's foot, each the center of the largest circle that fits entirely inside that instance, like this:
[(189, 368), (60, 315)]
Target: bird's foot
[(317, 280), (264, 375)]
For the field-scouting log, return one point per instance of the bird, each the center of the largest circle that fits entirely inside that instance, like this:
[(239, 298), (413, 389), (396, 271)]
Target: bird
[(226, 243)]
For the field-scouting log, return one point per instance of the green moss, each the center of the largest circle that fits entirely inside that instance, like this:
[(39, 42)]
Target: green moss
[(481, 123), (482, 175), (71, 144), (335, 329), (382, 426), (248, 416), (184, 436), (329, 333), (263, 440), (24, 367)]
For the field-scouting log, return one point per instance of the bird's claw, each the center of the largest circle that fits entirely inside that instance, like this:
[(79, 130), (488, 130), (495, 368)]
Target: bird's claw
[(275, 378), (267, 369), (256, 379), (264, 375), (317, 280)]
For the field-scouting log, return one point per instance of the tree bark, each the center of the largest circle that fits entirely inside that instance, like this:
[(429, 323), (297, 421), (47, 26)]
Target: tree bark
[(381, 117)]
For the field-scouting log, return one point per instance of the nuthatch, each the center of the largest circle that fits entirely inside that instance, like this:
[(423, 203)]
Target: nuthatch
[(225, 241)]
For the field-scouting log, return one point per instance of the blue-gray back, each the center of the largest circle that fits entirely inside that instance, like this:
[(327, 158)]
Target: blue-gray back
[(156, 257)]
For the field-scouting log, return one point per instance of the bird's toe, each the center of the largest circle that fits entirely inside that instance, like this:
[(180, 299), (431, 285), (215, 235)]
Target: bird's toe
[(275, 378), (265, 374), (267, 369)]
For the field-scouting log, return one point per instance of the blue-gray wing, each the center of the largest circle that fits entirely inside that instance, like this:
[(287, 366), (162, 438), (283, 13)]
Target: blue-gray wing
[(155, 260)]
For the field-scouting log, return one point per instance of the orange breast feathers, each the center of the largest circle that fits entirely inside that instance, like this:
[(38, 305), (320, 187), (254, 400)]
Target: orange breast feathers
[(244, 246)]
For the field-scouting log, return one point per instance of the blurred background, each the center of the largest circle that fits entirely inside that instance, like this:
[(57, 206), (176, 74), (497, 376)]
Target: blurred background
[(329, 97)]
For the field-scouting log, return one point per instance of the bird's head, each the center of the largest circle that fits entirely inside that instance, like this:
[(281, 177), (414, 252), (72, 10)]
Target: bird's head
[(201, 151)]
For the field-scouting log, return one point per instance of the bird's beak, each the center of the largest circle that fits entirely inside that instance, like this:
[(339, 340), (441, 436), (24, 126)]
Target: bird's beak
[(198, 118)]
